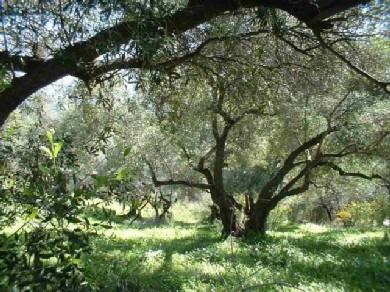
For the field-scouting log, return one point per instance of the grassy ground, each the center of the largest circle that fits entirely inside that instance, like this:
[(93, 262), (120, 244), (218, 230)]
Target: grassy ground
[(187, 255)]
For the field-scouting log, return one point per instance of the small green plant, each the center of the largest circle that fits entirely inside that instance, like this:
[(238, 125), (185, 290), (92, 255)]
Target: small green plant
[(54, 146)]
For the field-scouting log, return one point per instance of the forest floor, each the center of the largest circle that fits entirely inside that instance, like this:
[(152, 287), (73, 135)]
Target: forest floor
[(188, 255)]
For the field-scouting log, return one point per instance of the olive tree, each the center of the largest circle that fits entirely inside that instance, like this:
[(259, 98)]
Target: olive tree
[(210, 113)]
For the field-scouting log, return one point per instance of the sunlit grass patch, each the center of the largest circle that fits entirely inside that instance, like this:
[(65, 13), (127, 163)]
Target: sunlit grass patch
[(162, 233), (191, 256)]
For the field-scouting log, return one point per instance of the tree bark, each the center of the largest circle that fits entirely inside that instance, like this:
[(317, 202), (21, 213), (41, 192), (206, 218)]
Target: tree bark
[(257, 220), (214, 213), (226, 210), (328, 213), (229, 222), (249, 203), (22, 87)]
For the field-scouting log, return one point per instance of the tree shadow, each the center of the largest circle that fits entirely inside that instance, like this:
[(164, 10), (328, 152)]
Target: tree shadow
[(322, 259), (122, 261), (124, 221), (287, 228)]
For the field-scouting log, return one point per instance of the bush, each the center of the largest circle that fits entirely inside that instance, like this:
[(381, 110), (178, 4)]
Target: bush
[(280, 216), (43, 253), (345, 217), (368, 213)]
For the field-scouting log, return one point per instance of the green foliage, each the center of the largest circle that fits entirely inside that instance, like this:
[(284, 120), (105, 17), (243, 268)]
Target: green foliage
[(245, 180), (281, 216), (43, 259), (42, 195), (273, 91), (55, 147), (369, 213)]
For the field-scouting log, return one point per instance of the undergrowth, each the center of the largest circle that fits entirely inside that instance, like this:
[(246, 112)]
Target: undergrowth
[(188, 255)]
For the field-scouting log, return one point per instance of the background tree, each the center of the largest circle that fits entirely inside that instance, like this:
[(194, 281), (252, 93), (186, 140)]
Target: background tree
[(317, 141)]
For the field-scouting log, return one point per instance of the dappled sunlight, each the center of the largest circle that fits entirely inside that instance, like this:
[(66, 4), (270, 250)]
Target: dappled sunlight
[(313, 228), (191, 212), (359, 237), (163, 233), (194, 258)]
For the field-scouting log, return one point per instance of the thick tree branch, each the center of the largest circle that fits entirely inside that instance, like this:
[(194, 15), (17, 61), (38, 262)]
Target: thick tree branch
[(328, 8), (170, 182), (321, 160), (351, 174), (21, 87), (204, 158), (284, 191), (381, 84), (270, 187), (139, 62), (75, 58), (19, 63), (299, 190), (353, 149)]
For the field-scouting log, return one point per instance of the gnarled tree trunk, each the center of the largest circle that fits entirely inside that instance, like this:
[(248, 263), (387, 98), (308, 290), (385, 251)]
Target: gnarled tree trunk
[(226, 208), (257, 220)]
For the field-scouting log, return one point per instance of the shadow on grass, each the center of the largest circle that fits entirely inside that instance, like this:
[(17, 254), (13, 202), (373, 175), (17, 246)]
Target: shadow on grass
[(325, 258), (287, 228), (119, 264), (105, 215), (125, 221), (322, 259)]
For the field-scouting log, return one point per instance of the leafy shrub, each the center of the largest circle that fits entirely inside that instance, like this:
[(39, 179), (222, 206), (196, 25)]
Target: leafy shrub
[(280, 216), (369, 213), (43, 259), (42, 192), (345, 217)]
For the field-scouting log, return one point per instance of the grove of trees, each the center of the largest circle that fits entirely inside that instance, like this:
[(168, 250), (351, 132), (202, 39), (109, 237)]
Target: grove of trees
[(252, 103)]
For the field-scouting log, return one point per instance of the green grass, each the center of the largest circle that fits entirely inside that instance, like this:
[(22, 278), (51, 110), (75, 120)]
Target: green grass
[(187, 255)]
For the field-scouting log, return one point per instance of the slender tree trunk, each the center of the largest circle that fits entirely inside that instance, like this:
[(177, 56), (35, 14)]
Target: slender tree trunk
[(249, 203), (166, 207), (328, 212)]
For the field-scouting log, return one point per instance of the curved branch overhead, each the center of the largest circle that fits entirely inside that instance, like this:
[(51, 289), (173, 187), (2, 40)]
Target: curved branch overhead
[(77, 59)]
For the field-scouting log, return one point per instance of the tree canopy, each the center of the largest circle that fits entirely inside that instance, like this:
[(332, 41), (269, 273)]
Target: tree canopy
[(90, 39)]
